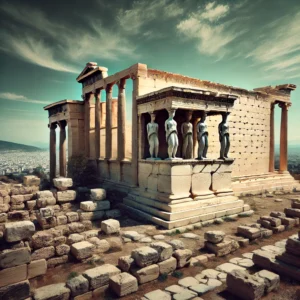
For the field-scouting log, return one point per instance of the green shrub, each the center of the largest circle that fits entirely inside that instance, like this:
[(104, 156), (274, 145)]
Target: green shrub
[(163, 277), (177, 274), (72, 275)]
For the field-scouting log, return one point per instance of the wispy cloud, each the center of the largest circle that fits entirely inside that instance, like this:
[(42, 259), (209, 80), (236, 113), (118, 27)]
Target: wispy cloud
[(15, 97), (206, 29)]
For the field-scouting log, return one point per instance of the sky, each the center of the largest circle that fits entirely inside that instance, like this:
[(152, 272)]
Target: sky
[(45, 44)]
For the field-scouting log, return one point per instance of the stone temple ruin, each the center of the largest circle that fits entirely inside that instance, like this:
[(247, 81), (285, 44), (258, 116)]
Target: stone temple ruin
[(180, 153), (181, 175)]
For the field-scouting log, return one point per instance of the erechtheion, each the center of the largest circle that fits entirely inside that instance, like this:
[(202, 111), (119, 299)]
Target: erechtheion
[(191, 146)]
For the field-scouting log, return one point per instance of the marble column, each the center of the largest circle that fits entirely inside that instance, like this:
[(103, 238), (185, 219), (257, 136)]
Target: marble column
[(135, 141), (52, 128), (195, 139), (272, 157), (283, 138), (87, 122), (108, 125), (121, 120), (97, 123), (62, 149)]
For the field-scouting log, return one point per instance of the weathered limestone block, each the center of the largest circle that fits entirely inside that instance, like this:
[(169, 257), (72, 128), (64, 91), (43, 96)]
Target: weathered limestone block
[(159, 294), (89, 206), (4, 208), (101, 245), (13, 275), (74, 238), (123, 284), (82, 250), (214, 236), (20, 291), (146, 274), (91, 216), (90, 233), (57, 291), (177, 244), (277, 214), (220, 249), (110, 226), (19, 189), (115, 243), (167, 266), (61, 250), (133, 235), (17, 206), (272, 280), (18, 231), (273, 221), (61, 220), (59, 241), (20, 199), (30, 180), (292, 212), (293, 246), (164, 250), (45, 198), (183, 257), (11, 258), (145, 256), (43, 253), (76, 227), (66, 196), (18, 215), (245, 286), (3, 217), (263, 259), (46, 222), (37, 268), (78, 285), (53, 262), (42, 239), (98, 194), (99, 276), (72, 216), (250, 233), (125, 263), (62, 183)]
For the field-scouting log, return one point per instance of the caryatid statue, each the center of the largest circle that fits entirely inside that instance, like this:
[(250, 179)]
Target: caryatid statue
[(224, 136), (171, 134), (152, 132), (202, 136), (187, 137)]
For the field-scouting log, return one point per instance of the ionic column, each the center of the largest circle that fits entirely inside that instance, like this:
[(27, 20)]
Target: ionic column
[(108, 125), (283, 137), (121, 119), (52, 149), (272, 158), (97, 123), (87, 122), (62, 149)]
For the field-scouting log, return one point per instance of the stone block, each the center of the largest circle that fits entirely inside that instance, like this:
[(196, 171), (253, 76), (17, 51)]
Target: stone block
[(145, 256), (31, 205), (90, 233), (46, 212), (146, 274), (115, 243), (98, 194), (250, 233), (272, 280), (123, 284), (110, 226), (113, 213), (91, 206), (74, 238), (18, 215), (59, 241), (273, 221), (277, 214), (177, 244), (43, 253), (46, 222), (188, 281), (229, 267), (4, 208), (87, 224), (82, 250), (45, 198), (42, 239), (37, 268), (293, 246), (11, 258), (72, 216), (167, 266), (183, 257), (61, 220), (19, 189), (78, 285), (17, 206), (18, 231), (3, 217), (85, 296), (163, 249), (215, 236), (62, 183), (66, 196), (13, 275), (76, 227), (101, 245), (245, 286), (53, 262), (61, 250), (292, 212), (157, 294), (220, 249), (91, 216), (125, 263), (99, 276), (20, 291), (30, 180), (57, 291)]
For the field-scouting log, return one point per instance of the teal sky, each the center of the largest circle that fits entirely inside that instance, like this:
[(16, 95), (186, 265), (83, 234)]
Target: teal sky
[(45, 45)]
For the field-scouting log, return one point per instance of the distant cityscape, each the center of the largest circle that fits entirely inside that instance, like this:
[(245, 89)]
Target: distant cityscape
[(17, 162)]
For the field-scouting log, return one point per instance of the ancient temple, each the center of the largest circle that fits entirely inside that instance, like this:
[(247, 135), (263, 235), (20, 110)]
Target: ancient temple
[(189, 150)]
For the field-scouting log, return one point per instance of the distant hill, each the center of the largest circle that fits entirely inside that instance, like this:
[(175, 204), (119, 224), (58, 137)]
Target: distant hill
[(8, 146)]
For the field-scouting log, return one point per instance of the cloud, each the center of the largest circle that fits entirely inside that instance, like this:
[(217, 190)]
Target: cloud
[(143, 12), (211, 35), (15, 97)]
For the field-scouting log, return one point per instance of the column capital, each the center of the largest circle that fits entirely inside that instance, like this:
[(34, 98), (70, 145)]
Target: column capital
[(285, 105), (121, 83), (62, 124), (108, 88)]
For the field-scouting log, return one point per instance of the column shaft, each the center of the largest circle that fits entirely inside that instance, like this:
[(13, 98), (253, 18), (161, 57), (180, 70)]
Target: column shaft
[(97, 123), (195, 139), (52, 151), (134, 149), (283, 138), (62, 149), (108, 125), (121, 120), (272, 158)]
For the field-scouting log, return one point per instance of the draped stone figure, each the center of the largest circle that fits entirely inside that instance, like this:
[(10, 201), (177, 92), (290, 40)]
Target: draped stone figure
[(152, 132), (202, 136), (224, 136), (187, 137), (171, 134)]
